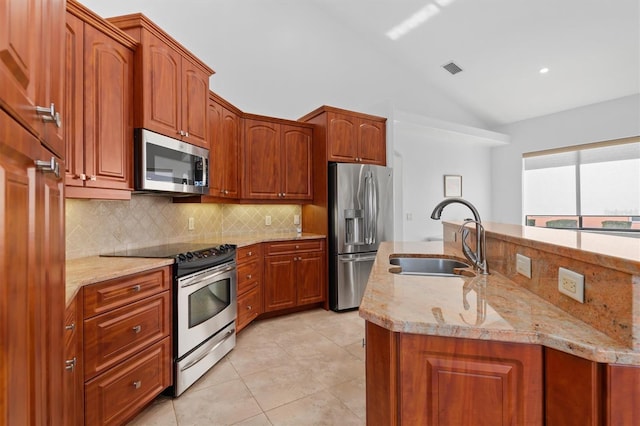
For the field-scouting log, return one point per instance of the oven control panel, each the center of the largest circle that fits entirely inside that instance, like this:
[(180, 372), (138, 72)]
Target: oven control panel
[(196, 260)]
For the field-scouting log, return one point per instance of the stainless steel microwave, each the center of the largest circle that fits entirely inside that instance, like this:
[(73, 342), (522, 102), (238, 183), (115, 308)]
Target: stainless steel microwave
[(169, 165)]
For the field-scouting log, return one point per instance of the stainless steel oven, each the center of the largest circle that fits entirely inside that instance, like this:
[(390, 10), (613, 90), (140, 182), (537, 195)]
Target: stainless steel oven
[(206, 313)]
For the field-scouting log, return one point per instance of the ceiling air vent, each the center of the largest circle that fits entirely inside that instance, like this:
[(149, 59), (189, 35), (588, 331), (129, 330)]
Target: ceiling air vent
[(452, 68)]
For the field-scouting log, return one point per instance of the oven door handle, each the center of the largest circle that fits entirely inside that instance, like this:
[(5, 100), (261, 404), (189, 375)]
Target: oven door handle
[(201, 357), (199, 279)]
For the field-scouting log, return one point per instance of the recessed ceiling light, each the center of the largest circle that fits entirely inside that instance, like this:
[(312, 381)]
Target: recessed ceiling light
[(544, 70)]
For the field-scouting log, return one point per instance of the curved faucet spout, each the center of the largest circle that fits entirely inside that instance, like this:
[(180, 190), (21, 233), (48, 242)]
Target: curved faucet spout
[(478, 258), (437, 211)]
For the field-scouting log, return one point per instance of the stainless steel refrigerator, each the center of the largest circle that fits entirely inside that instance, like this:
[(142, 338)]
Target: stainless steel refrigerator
[(360, 217)]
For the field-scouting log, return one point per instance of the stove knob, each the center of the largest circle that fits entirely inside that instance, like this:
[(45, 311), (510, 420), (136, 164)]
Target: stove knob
[(182, 257), (198, 254), (189, 255)]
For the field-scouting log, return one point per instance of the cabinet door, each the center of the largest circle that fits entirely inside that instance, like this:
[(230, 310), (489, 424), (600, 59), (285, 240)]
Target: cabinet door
[(73, 383), (249, 307), (16, 274), (194, 100), (231, 153), (162, 80), (108, 96), (217, 160), (342, 138), (371, 142), (73, 116), (262, 159), (451, 381), (48, 295), (20, 54), (310, 278), (53, 66), (279, 283), (297, 162), (623, 395)]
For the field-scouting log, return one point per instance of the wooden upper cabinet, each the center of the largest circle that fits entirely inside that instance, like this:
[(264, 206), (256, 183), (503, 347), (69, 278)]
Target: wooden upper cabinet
[(350, 137), (172, 85), (99, 114), (224, 130), (31, 40), (277, 160)]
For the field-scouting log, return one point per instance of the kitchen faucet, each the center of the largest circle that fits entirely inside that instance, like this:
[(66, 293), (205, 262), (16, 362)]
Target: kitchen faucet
[(479, 258)]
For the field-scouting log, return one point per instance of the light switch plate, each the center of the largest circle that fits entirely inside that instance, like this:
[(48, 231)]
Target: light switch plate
[(523, 265)]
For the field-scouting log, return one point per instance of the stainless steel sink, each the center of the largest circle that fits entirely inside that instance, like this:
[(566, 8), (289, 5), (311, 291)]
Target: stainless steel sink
[(432, 266)]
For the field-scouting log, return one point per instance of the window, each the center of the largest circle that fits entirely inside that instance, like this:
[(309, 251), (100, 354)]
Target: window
[(592, 186)]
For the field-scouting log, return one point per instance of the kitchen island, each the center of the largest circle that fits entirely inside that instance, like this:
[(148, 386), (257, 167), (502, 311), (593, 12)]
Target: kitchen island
[(488, 350)]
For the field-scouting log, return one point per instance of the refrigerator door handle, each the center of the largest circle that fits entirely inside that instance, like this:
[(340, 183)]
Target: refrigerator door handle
[(370, 206), (357, 259)]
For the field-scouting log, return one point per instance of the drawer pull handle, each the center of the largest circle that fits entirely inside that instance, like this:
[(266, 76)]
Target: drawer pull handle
[(297, 247), (250, 253), (137, 329), (248, 276), (70, 364), (71, 326), (136, 288), (249, 307), (137, 384)]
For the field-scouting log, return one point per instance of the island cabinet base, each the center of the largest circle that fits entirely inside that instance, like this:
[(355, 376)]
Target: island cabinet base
[(428, 380)]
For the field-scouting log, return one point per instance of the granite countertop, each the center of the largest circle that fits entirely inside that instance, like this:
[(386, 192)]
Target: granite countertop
[(482, 307), (94, 269)]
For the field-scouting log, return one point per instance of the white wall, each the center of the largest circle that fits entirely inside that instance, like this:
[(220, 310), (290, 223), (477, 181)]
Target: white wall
[(424, 150), (618, 118)]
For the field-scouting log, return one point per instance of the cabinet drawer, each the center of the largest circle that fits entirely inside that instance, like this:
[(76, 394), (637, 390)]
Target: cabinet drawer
[(113, 337), (249, 307), (117, 395), (249, 275), (99, 298), (247, 253), (298, 246)]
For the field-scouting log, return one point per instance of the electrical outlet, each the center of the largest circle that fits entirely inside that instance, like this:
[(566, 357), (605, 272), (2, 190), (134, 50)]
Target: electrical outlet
[(296, 219), (571, 283), (523, 265), (192, 224), (267, 220)]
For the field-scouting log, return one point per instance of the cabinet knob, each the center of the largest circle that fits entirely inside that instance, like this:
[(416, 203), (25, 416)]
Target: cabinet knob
[(248, 276), (284, 194), (137, 384), (186, 134), (136, 288), (70, 364), (249, 307), (93, 178), (226, 192), (136, 329), (71, 326), (181, 133), (297, 247), (250, 253)]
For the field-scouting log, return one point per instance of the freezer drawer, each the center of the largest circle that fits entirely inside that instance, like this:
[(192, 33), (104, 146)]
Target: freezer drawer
[(350, 274)]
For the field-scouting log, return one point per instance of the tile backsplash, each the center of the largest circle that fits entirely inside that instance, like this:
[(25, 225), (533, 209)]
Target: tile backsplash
[(98, 226)]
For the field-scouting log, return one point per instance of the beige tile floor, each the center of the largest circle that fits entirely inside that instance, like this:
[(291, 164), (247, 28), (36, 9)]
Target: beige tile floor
[(301, 369)]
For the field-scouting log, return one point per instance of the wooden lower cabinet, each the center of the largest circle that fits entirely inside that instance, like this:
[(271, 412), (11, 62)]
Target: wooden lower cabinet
[(250, 300), (294, 274), (127, 345), (622, 390), (449, 381), (118, 395), (73, 409)]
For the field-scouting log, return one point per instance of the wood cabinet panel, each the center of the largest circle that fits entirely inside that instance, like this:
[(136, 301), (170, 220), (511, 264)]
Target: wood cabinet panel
[(290, 247), (108, 295), (297, 162), (622, 403), (249, 275), (381, 375), (195, 93), (115, 397), (262, 155), (247, 253), (572, 389), (114, 336), (371, 142), (73, 117), (224, 130), (445, 381), (249, 307), (73, 384), (108, 96), (280, 284), (310, 274), (343, 136)]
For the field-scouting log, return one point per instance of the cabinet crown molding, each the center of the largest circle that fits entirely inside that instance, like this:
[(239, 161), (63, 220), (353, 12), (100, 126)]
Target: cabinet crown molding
[(91, 18)]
